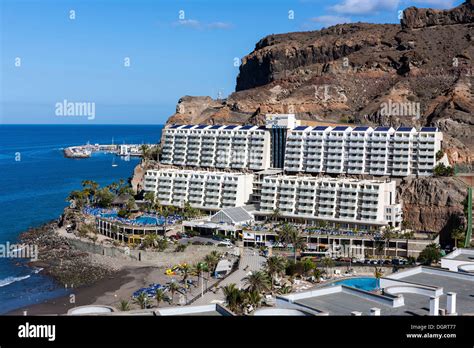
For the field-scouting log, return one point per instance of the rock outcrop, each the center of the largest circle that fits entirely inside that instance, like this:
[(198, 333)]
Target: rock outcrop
[(415, 18), (433, 204), (345, 74)]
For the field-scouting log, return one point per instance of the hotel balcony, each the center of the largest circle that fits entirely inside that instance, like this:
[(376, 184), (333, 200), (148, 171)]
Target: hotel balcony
[(369, 205), (305, 210), (356, 170), (307, 193), (326, 210), (327, 195), (377, 172), (306, 201)]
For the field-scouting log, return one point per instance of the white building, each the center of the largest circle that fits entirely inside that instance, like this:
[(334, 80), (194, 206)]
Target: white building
[(203, 190), (234, 147), (352, 203), (362, 150), (460, 260)]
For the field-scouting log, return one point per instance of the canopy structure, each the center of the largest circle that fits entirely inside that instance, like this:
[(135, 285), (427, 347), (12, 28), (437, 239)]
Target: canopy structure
[(232, 216)]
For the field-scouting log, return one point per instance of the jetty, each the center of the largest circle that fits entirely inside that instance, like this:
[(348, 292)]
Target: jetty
[(86, 151)]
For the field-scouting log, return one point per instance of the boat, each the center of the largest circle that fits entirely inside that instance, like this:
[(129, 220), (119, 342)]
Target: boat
[(113, 163)]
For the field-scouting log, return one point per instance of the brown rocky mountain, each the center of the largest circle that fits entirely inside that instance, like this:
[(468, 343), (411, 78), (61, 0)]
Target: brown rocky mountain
[(354, 73)]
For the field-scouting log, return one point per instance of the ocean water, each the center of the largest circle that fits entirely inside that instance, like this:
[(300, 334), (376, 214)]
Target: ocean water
[(35, 179)]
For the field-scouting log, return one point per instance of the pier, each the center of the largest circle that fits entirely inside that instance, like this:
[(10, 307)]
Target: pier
[(86, 151)]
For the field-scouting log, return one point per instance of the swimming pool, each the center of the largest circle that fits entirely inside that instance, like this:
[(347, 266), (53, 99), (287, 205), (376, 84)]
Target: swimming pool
[(363, 283), (142, 220)]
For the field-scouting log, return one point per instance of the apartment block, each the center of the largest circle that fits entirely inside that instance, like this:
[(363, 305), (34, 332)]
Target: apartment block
[(203, 190), (224, 147), (346, 201), (362, 150)]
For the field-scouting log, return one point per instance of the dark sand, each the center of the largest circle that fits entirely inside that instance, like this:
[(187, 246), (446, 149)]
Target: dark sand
[(83, 296)]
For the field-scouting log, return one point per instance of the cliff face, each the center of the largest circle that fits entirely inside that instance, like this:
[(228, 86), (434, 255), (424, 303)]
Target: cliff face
[(426, 17), (433, 204), (345, 73)]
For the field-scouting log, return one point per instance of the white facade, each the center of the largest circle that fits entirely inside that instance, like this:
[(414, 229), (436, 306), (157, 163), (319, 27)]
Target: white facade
[(362, 150), (234, 147), (203, 190), (369, 202)]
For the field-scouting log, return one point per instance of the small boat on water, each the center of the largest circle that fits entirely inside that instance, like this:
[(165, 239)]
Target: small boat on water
[(113, 163)]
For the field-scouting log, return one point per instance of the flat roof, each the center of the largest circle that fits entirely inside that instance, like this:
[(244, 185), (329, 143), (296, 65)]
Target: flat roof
[(460, 283), (340, 303)]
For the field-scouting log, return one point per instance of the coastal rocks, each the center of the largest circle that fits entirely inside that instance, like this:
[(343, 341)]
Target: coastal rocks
[(60, 260), (433, 204), (414, 18)]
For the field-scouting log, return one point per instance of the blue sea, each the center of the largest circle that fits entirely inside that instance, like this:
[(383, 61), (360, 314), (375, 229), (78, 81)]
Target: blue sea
[(35, 179)]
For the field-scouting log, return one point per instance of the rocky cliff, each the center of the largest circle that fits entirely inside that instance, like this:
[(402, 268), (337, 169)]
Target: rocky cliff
[(433, 204), (426, 17), (347, 73)]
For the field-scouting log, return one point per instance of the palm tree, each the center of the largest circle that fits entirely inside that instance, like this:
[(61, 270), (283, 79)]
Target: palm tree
[(198, 270), (124, 305), (234, 297), (317, 274), (142, 300), (458, 234), (378, 274), (173, 287), (254, 298), (275, 215), (145, 152), (275, 266), (388, 235), (159, 296), (290, 235), (257, 281), (185, 269), (327, 262), (212, 260), (149, 199)]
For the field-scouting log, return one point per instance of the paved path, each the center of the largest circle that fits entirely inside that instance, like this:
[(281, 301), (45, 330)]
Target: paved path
[(250, 261)]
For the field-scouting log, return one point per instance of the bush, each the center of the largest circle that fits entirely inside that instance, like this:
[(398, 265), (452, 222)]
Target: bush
[(180, 247), (293, 269), (439, 155), (430, 254), (442, 170), (123, 213)]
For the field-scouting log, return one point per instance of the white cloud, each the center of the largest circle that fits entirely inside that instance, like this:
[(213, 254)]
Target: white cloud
[(192, 23), (219, 25), (195, 24), (365, 7), (445, 4), (329, 20)]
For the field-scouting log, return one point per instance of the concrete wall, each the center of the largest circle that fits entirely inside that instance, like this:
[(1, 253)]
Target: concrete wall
[(192, 254)]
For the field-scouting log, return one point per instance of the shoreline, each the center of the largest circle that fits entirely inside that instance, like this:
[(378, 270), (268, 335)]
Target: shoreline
[(85, 295)]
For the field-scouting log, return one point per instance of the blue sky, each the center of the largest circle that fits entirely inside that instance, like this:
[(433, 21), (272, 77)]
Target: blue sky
[(175, 48)]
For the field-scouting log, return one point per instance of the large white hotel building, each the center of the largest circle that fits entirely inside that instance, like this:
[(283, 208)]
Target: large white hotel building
[(234, 147), (345, 201), (382, 151), (203, 190), (219, 166)]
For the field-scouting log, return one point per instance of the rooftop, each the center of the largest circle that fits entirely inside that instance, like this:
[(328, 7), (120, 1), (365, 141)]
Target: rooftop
[(405, 293), (206, 310)]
